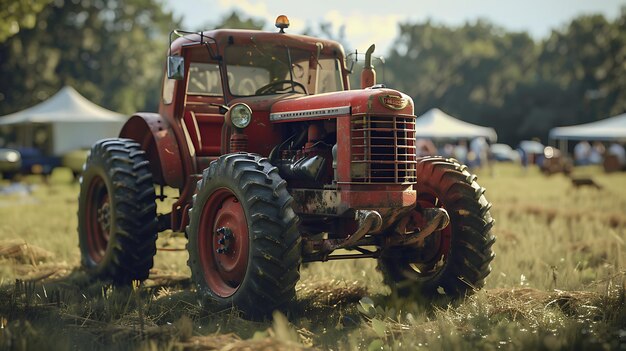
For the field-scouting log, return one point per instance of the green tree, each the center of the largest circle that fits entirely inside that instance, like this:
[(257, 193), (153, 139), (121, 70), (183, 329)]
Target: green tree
[(468, 71), (235, 20), (110, 51), (579, 78), (488, 76), (587, 60), (16, 15)]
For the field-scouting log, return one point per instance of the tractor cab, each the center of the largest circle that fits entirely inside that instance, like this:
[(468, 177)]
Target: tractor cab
[(212, 70)]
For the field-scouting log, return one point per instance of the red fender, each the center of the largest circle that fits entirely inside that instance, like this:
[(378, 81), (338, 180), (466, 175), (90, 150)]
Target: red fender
[(157, 138)]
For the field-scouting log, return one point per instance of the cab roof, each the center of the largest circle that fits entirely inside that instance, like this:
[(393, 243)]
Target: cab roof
[(223, 37)]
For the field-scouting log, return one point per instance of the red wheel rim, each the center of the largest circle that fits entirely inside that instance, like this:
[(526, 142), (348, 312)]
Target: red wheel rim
[(430, 261), (223, 242), (98, 219)]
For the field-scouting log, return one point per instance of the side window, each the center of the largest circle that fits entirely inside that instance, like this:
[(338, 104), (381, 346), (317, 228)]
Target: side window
[(168, 90), (329, 76), (204, 79)]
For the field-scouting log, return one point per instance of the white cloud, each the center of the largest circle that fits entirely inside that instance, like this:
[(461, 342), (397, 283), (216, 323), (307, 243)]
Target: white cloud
[(362, 30)]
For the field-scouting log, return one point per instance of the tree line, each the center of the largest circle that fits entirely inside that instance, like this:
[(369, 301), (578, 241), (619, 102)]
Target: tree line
[(112, 51), (506, 80)]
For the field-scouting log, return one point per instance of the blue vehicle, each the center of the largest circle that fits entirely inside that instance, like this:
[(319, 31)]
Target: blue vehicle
[(26, 160), (34, 161)]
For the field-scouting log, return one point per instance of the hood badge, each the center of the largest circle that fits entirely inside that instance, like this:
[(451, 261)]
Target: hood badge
[(393, 102), (305, 114)]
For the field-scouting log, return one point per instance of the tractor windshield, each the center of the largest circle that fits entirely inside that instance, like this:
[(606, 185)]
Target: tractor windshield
[(269, 69)]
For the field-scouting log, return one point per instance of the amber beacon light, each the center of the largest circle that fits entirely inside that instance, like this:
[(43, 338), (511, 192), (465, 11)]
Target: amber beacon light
[(282, 22)]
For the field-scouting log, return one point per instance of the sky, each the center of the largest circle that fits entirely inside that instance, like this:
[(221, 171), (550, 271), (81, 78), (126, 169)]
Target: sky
[(368, 21)]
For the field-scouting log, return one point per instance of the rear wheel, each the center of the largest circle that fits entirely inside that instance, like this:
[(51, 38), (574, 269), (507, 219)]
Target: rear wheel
[(117, 223), (244, 246), (455, 260)]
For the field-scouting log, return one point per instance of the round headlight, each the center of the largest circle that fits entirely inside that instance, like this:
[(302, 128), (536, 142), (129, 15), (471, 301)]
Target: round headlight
[(13, 156), (240, 115)]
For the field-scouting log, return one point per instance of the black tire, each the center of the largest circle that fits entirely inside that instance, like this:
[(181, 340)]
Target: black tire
[(454, 261), (117, 221), (265, 278)]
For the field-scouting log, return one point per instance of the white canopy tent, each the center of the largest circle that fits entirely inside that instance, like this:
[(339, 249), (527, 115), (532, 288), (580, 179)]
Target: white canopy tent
[(69, 122), (436, 124), (609, 129)]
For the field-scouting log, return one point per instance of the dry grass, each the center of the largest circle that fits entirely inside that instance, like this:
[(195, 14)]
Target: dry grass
[(557, 283)]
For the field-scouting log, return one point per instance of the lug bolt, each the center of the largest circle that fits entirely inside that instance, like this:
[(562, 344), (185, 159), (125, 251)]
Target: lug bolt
[(224, 241)]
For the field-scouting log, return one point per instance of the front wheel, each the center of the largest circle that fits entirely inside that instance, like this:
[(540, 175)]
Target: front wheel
[(244, 246), (454, 261), (117, 221)]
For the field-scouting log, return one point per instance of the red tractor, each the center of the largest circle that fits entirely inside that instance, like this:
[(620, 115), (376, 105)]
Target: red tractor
[(278, 163)]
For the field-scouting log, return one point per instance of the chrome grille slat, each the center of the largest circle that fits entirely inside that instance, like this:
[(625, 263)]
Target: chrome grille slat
[(383, 149)]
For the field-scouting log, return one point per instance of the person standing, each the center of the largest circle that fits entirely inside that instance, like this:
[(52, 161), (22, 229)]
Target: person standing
[(581, 153), (480, 149), (618, 151), (460, 151)]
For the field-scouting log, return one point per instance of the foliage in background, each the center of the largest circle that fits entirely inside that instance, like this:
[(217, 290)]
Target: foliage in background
[(113, 53), (236, 21), (18, 15), (486, 75), (110, 51)]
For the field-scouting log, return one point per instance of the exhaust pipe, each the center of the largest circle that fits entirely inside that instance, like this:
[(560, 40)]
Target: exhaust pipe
[(368, 75)]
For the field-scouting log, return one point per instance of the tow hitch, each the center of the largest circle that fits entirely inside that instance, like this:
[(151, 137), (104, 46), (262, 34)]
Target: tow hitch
[(368, 221), (435, 218)]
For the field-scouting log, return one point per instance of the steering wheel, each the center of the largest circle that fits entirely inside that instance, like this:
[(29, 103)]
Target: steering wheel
[(278, 86)]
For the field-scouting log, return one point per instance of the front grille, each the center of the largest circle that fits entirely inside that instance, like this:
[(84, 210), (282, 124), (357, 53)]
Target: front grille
[(383, 149)]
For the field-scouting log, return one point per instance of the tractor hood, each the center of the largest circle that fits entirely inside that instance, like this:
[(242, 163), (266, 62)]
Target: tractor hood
[(378, 101), (297, 107)]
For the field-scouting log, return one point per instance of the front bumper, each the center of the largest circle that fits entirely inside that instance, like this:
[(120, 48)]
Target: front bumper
[(390, 204)]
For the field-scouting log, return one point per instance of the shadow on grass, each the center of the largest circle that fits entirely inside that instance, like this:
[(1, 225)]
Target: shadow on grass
[(77, 312), (163, 312)]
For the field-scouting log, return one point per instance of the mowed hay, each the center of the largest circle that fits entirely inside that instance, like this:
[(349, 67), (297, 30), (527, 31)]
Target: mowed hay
[(527, 303), (30, 262), (22, 252), (210, 342), (331, 292), (269, 344)]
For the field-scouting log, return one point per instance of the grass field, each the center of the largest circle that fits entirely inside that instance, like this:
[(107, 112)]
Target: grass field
[(558, 282)]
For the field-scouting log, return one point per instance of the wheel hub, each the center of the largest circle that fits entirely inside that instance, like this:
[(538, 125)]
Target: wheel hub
[(223, 239), (225, 236), (104, 218)]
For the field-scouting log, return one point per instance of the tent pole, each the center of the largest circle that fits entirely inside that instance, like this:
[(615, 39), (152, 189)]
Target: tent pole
[(563, 146)]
